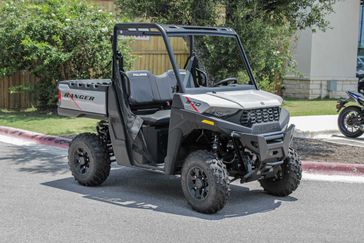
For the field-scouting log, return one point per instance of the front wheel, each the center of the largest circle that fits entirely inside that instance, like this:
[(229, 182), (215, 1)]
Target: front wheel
[(205, 182), (350, 122), (287, 179)]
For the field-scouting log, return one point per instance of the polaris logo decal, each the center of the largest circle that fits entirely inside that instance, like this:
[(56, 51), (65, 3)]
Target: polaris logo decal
[(140, 74), (79, 97)]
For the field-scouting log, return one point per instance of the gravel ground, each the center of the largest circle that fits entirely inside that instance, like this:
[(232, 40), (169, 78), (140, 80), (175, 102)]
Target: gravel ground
[(317, 150)]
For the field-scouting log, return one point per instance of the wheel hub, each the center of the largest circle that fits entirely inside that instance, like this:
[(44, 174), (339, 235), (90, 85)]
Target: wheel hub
[(198, 183), (82, 161), (352, 121)]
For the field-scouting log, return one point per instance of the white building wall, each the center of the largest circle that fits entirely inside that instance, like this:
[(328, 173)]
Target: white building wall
[(334, 51), (327, 60), (302, 51)]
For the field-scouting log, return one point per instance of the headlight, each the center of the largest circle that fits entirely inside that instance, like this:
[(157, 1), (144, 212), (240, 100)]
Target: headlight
[(221, 112)]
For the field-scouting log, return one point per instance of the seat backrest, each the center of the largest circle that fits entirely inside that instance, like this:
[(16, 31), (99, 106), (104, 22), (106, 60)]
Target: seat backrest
[(148, 89), (142, 88), (166, 83)]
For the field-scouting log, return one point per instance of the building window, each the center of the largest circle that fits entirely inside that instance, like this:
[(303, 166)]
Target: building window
[(361, 29)]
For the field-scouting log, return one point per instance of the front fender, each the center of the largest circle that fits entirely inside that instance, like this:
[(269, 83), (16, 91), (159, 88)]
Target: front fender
[(183, 122)]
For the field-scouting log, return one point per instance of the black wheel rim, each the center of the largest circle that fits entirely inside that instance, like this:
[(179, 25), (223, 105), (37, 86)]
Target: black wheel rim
[(198, 185), (349, 122), (82, 161)]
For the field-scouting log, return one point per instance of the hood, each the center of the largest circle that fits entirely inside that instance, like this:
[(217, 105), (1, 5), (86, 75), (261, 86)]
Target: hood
[(250, 99), (233, 100)]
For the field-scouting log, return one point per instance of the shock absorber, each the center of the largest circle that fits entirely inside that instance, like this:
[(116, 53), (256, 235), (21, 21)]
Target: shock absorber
[(244, 158), (215, 144)]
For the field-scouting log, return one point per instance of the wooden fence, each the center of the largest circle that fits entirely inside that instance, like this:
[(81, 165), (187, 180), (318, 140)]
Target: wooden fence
[(17, 101), (149, 54), (107, 5)]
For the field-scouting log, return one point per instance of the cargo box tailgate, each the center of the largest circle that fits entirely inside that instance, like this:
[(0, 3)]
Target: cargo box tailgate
[(83, 98)]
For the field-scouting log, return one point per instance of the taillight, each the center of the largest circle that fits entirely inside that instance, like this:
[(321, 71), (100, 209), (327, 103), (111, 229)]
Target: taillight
[(59, 97)]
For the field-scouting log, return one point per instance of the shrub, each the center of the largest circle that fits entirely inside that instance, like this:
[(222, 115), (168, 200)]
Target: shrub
[(55, 40)]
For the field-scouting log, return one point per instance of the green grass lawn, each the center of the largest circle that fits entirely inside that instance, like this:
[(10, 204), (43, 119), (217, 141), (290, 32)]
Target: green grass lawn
[(310, 107), (52, 124)]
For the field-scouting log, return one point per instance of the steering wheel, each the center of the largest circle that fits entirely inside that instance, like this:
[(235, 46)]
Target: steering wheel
[(226, 81), (201, 77)]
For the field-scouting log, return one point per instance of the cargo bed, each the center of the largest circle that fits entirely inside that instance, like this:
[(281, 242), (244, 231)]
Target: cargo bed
[(83, 98)]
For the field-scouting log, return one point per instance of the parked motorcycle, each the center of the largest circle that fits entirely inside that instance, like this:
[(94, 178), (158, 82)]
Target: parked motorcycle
[(351, 118), (360, 76)]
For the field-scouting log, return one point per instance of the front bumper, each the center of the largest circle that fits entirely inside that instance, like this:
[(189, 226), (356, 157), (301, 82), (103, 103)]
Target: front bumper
[(268, 147)]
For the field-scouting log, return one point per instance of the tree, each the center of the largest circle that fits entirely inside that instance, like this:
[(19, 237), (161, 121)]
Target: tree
[(266, 27), (55, 40), (175, 11)]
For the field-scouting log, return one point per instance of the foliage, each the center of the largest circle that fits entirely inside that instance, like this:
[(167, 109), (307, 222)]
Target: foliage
[(55, 40), (298, 13), (265, 27), (193, 12)]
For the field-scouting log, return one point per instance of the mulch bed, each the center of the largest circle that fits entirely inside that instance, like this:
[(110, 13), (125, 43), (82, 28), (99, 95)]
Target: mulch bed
[(318, 150)]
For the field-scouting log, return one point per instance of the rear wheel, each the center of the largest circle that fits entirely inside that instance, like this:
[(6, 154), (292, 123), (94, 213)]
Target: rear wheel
[(287, 179), (349, 122), (88, 159), (205, 182)]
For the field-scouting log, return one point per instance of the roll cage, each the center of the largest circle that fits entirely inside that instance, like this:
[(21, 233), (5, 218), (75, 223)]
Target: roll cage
[(152, 29)]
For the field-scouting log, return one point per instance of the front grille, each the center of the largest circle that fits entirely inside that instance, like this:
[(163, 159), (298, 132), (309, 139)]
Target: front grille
[(256, 116)]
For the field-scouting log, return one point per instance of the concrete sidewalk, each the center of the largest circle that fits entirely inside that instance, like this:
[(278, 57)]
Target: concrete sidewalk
[(311, 126), (324, 128)]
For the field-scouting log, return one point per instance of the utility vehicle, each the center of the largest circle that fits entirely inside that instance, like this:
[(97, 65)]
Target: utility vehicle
[(203, 118)]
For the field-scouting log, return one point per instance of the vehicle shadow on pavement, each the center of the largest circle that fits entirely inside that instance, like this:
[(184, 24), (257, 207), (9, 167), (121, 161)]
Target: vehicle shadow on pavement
[(38, 160), (141, 189)]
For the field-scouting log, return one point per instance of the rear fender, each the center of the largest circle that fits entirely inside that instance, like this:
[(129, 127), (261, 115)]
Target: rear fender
[(341, 104), (117, 130)]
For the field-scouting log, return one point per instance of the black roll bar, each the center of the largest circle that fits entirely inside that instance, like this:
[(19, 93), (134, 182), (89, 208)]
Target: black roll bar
[(149, 29)]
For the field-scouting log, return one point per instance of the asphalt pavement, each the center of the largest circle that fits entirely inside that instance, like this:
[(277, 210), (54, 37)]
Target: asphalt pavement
[(40, 202)]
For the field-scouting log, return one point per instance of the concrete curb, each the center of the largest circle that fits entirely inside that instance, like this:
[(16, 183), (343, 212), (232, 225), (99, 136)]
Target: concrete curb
[(307, 166), (329, 168), (35, 137)]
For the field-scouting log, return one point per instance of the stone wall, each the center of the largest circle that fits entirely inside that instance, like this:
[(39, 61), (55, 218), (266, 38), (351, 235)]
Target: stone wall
[(317, 89)]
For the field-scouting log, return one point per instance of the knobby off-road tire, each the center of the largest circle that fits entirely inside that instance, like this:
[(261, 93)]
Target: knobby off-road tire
[(289, 180), (88, 159), (341, 122), (210, 190)]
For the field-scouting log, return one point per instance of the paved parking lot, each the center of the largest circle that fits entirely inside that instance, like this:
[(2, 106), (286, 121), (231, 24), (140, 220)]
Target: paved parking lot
[(40, 202)]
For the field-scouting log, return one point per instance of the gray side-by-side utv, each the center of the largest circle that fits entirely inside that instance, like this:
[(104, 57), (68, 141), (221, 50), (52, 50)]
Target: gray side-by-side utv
[(209, 127)]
